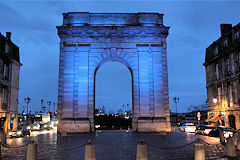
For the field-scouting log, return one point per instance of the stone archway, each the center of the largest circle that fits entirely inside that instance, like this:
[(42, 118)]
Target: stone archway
[(137, 40)]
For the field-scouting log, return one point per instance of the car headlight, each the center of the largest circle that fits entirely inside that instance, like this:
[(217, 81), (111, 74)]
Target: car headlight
[(45, 126), (10, 133), (19, 132), (28, 127)]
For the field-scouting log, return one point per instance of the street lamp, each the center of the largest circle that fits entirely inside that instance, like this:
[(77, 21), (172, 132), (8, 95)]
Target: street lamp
[(176, 100), (49, 103), (214, 100), (54, 108), (27, 101), (41, 105)]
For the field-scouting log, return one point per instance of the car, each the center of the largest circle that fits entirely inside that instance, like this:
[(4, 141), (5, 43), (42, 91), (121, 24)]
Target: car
[(19, 132), (35, 127), (48, 125), (226, 132), (97, 126), (187, 127), (204, 129), (55, 122)]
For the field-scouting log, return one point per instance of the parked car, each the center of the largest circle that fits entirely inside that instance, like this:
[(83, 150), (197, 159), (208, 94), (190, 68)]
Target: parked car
[(20, 132), (204, 129), (226, 131), (187, 127)]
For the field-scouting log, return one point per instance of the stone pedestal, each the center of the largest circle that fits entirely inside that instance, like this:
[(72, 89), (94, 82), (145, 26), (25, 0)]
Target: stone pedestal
[(74, 126), (156, 124)]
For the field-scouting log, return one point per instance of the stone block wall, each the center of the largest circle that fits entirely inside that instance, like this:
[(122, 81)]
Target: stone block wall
[(87, 41)]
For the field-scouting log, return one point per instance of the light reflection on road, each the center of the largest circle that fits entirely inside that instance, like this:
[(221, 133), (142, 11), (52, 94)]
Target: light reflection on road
[(192, 136), (19, 141), (36, 133)]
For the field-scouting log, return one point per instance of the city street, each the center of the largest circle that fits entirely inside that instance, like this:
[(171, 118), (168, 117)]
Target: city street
[(114, 145)]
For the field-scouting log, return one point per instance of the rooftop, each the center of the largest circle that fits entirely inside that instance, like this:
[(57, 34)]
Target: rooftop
[(112, 19)]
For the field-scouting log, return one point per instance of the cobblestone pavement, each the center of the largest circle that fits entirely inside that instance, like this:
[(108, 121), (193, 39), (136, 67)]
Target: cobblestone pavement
[(114, 145)]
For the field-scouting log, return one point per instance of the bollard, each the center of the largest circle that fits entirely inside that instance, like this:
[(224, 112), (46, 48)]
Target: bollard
[(90, 151), (222, 138), (238, 143), (235, 139), (32, 151), (3, 138), (199, 151), (63, 134), (230, 147), (141, 151)]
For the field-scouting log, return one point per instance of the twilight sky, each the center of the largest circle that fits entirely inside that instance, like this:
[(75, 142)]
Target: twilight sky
[(194, 26)]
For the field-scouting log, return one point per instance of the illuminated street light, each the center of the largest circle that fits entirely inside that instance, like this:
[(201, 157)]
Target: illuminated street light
[(176, 100), (41, 105), (214, 100), (27, 101), (54, 108), (49, 103)]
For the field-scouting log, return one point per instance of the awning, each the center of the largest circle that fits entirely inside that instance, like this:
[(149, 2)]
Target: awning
[(214, 119)]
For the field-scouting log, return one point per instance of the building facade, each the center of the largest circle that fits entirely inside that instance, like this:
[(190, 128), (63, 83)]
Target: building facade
[(9, 82), (222, 66), (138, 41)]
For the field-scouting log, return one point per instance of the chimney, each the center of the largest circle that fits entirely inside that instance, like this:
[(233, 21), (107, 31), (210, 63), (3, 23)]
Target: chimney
[(225, 28), (8, 35)]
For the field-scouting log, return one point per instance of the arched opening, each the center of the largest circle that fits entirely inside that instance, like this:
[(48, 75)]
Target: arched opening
[(113, 96)]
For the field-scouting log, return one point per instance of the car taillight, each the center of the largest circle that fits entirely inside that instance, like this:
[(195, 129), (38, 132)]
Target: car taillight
[(224, 132)]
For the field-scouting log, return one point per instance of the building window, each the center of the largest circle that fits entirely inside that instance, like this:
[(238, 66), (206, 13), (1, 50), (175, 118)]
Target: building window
[(5, 71), (238, 61), (227, 68), (3, 95), (4, 98), (217, 71), (219, 95), (230, 96), (236, 36), (225, 43), (216, 50), (7, 48)]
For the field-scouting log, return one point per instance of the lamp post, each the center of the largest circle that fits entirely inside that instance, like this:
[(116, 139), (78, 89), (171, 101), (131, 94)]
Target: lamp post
[(176, 100), (54, 108), (49, 103), (41, 105), (27, 101)]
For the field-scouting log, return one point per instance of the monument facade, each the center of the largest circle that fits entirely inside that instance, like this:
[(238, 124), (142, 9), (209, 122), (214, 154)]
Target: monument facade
[(138, 41)]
